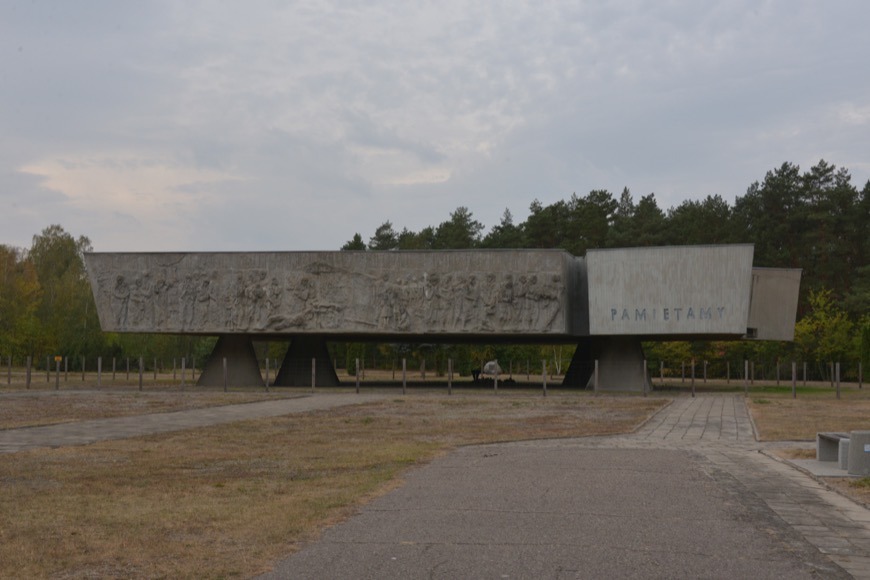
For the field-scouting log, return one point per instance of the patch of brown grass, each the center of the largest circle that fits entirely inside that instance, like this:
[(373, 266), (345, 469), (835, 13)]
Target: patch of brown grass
[(229, 500), (781, 418)]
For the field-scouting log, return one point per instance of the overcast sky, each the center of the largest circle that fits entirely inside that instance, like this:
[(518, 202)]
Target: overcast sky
[(272, 125)]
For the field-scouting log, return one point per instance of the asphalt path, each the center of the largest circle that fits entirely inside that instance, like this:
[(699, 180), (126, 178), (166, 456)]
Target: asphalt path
[(690, 495)]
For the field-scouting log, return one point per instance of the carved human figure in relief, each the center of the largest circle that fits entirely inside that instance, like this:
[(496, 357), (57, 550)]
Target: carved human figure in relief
[(255, 299), (274, 297), (521, 291), (532, 303), (161, 302), (490, 294), (435, 301), (469, 303), (121, 301), (407, 297), (188, 301), (141, 299), (505, 306), (549, 302), (386, 297), (202, 308), (238, 302), (455, 295)]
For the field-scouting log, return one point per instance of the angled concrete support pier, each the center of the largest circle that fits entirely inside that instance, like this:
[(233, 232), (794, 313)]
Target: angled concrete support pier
[(295, 370), (620, 364), (243, 370)]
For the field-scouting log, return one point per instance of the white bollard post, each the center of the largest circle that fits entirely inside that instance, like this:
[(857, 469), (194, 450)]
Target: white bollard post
[(693, 378), (595, 384), (745, 377), (544, 375), (645, 371), (793, 380)]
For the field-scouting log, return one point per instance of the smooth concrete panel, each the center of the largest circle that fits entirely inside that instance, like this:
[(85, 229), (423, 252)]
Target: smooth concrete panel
[(388, 293), (773, 306), (859, 453), (671, 291)]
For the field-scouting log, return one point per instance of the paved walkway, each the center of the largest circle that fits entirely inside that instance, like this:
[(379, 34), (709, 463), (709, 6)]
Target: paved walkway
[(691, 494)]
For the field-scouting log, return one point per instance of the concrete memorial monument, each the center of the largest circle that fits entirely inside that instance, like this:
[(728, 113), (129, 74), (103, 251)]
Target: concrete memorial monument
[(606, 302)]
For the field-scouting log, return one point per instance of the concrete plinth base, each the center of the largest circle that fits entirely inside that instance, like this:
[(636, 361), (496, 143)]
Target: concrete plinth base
[(620, 365), (859, 453), (295, 370), (243, 370)]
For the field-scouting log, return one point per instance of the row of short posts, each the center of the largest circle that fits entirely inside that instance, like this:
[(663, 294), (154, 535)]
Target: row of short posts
[(749, 372), (141, 372), (358, 372), (65, 360), (749, 375)]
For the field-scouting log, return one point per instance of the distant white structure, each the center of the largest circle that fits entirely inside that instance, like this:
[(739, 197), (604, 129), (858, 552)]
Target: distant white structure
[(491, 369)]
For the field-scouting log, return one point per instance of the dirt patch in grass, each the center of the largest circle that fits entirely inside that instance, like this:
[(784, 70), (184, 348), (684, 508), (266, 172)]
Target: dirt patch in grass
[(29, 409), (795, 453), (230, 500)]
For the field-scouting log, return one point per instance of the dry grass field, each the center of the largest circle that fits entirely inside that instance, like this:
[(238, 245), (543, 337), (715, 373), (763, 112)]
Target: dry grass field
[(226, 501)]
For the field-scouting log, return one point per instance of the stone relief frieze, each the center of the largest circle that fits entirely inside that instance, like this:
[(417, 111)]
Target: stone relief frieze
[(322, 297)]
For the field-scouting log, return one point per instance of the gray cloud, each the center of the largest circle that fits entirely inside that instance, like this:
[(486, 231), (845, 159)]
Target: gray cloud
[(209, 125)]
